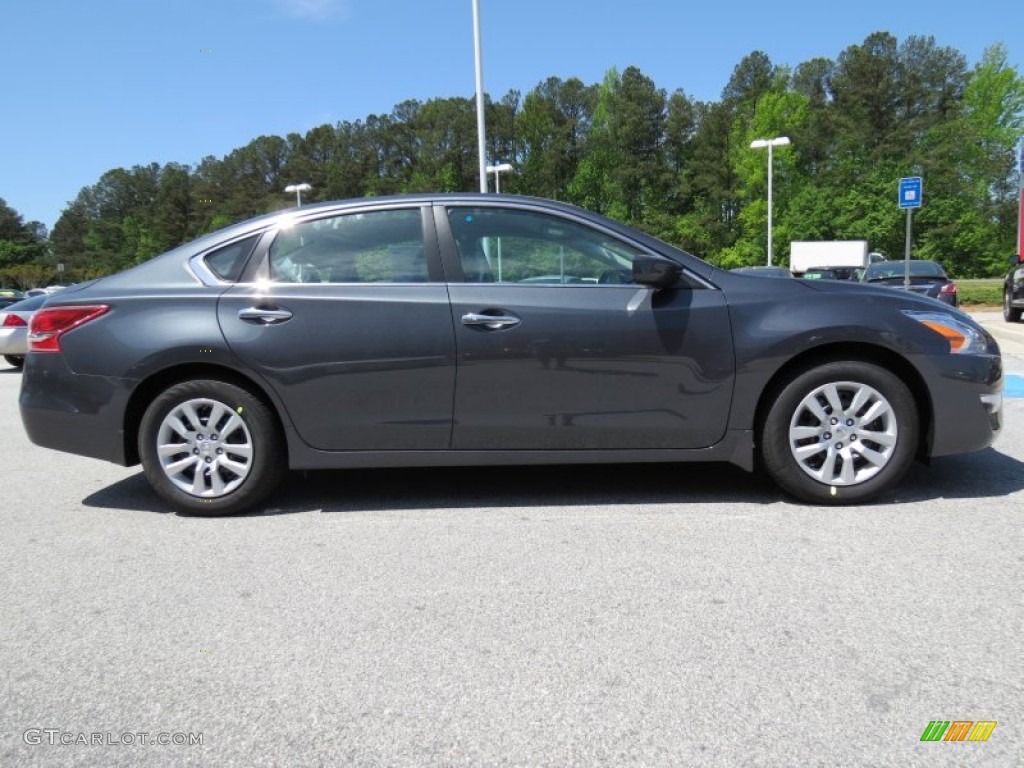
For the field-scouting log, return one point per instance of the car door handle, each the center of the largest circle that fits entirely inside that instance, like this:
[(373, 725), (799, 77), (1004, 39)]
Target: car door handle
[(264, 316), (491, 322)]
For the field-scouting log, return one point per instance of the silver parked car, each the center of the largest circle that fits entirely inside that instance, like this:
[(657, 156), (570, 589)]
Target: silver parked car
[(14, 320)]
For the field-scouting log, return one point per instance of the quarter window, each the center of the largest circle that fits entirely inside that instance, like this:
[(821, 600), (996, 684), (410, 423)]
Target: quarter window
[(512, 246), (227, 262), (374, 247)]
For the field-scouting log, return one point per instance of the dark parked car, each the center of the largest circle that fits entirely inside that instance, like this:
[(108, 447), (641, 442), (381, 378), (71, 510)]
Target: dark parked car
[(410, 331), (927, 278), (9, 296), (1013, 290)]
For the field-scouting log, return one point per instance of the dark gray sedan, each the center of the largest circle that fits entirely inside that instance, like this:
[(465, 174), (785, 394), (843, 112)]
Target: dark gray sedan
[(482, 329)]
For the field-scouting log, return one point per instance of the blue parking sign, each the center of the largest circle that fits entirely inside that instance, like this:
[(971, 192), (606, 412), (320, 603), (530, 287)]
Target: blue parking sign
[(910, 192)]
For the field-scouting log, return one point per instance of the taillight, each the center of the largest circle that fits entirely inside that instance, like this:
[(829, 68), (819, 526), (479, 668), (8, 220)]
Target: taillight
[(949, 289), (12, 321), (48, 325)]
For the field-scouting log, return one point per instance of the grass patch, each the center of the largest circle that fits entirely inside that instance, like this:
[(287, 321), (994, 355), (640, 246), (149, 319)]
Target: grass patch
[(974, 292)]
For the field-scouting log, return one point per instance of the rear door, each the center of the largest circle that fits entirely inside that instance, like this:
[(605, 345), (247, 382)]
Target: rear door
[(349, 323), (558, 349)]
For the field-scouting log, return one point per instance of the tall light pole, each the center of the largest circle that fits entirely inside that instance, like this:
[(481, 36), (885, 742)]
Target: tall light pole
[(778, 141), (298, 189), (481, 128), (1020, 205), (497, 170)]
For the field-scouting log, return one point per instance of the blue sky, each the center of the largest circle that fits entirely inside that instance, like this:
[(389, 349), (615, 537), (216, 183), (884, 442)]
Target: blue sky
[(97, 84)]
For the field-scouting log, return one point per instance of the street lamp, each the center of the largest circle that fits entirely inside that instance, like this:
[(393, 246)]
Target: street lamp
[(481, 127), (497, 170), (298, 189), (778, 141)]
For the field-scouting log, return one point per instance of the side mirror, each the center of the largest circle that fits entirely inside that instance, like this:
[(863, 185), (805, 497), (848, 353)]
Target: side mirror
[(655, 271), (1017, 258)]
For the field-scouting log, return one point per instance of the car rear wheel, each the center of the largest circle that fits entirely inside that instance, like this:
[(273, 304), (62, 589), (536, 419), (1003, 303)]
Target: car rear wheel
[(1010, 314), (16, 360), (840, 433), (211, 447)]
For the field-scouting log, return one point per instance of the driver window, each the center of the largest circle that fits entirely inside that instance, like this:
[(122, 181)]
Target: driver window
[(510, 246), (375, 247)]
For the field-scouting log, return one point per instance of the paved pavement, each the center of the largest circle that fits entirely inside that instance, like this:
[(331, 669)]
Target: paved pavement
[(1009, 335), (624, 616)]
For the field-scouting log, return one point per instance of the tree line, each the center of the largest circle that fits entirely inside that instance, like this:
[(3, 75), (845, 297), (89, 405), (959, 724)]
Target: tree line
[(678, 168)]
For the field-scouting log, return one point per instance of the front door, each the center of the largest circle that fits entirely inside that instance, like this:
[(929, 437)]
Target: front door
[(558, 349)]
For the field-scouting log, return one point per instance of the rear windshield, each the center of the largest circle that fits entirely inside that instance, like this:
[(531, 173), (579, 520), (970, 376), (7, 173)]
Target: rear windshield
[(891, 269)]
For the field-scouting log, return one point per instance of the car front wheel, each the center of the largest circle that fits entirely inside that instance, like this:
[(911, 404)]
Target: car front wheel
[(16, 360), (840, 433), (211, 447)]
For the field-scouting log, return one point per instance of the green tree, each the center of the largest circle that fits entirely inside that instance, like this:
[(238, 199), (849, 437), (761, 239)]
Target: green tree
[(970, 225), (678, 168), (20, 243), (552, 129)]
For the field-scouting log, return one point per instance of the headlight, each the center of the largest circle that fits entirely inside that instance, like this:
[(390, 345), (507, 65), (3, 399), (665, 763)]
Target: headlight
[(964, 339)]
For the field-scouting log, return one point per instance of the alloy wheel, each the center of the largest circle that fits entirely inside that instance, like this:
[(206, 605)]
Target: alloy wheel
[(204, 448), (843, 433)]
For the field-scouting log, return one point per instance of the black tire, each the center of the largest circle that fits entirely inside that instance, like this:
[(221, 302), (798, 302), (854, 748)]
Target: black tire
[(16, 360), (846, 457), (230, 472), (1010, 314)]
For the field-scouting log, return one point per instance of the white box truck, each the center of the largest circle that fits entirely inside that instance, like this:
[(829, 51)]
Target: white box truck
[(828, 254)]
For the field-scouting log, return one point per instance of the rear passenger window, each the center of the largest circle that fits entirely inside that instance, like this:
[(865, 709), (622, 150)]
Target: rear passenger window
[(228, 262), (375, 247)]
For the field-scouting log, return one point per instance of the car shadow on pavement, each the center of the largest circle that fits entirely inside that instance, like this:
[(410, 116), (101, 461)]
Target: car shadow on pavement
[(132, 494), (514, 487), (985, 474), (980, 475), (377, 490)]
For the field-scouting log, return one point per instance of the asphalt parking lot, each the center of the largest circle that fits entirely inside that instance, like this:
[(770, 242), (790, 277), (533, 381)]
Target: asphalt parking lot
[(611, 616)]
